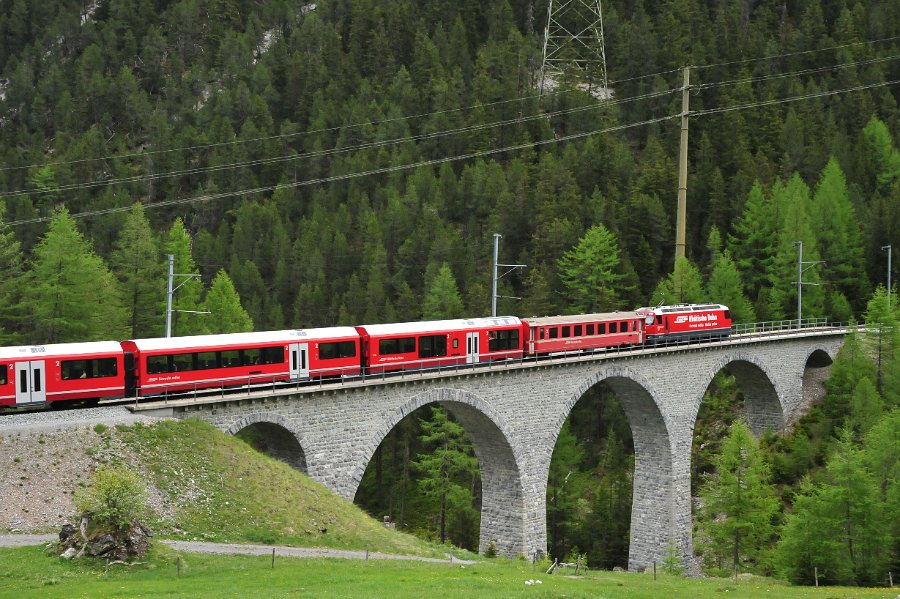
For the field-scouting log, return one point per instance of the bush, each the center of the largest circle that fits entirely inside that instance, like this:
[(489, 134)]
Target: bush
[(115, 498), (671, 563)]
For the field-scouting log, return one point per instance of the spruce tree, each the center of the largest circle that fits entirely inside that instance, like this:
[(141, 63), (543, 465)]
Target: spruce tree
[(738, 504), (137, 263), (589, 272), (72, 294), (226, 315)]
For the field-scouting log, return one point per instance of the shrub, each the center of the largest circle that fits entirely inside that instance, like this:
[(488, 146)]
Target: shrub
[(115, 498)]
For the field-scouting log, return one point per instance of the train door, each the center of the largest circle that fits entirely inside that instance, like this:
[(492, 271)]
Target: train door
[(30, 382), (471, 348), (299, 360)]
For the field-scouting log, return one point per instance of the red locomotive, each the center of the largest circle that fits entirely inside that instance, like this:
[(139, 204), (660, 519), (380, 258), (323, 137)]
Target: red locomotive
[(686, 322), (45, 374)]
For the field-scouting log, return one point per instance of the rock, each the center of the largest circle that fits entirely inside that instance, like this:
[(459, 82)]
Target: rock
[(68, 553), (67, 531), (100, 545), (137, 541)]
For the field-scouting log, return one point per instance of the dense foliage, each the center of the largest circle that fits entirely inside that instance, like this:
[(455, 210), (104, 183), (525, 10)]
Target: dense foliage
[(349, 161)]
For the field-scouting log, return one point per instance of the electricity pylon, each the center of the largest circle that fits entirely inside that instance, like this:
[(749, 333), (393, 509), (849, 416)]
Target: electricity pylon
[(574, 46)]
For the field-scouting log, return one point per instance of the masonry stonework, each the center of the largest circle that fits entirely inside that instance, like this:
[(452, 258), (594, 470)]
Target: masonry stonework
[(513, 414)]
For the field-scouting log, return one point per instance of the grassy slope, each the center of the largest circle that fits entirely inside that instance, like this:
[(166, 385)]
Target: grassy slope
[(214, 487), (28, 572)]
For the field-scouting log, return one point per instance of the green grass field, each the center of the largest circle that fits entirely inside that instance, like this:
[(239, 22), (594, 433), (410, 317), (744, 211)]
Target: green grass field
[(32, 572)]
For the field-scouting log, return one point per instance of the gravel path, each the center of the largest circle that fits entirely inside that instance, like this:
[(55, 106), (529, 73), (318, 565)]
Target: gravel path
[(50, 420), (234, 548), (240, 549)]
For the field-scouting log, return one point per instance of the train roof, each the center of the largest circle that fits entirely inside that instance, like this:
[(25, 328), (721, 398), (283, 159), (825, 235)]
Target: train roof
[(286, 336), (542, 321), (683, 308), (440, 326), (37, 352)]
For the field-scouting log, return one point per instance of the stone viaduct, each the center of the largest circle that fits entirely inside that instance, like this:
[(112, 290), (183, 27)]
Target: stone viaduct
[(513, 414)]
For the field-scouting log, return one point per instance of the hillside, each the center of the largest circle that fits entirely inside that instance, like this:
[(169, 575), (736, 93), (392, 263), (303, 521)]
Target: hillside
[(204, 485)]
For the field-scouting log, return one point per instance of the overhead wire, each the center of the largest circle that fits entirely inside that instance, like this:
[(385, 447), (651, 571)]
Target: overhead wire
[(809, 71), (352, 175), (798, 53), (146, 153), (470, 155), (723, 109), (333, 151)]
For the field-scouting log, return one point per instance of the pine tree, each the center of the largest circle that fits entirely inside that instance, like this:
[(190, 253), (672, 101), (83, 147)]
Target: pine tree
[(738, 503), (725, 287), (137, 263), (226, 313), (684, 285), (442, 299), (839, 237), (188, 297), (72, 294), (589, 272), (442, 471), (841, 524), (11, 288)]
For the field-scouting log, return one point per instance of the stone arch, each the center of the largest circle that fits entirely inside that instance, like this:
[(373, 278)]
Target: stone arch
[(506, 520), (655, 477), (762, 398), (278, 437)]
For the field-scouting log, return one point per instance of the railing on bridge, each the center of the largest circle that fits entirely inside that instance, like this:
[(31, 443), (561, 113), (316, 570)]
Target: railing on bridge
[(741, 333)]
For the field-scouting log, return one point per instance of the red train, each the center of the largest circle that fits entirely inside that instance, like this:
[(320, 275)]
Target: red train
[(45, 374)]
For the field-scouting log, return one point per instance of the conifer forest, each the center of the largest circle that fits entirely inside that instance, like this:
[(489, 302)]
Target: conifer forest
[(342, 162)]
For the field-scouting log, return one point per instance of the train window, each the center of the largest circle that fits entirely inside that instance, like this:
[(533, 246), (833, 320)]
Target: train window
[(3, 374), (338, 349), (23, 381), (432, 346), (554, 332), (567, 331), (590, 329), (231, 357), (601, 328), (250, 357), (504, 340), (157, 364), (727, 313), (272, 355), (207, 360), (541, 333), (73, 369), (88, 369), (403, 345), (104, 367), (614, 327), (577, 332), (182, 362), (456, 344)]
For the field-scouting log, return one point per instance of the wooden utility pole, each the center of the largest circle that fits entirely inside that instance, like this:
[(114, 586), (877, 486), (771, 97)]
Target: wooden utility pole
[(681, 216)]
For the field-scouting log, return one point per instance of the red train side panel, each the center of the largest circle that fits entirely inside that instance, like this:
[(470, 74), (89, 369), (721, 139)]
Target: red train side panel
[(177, 364), (59, 372), (556, 334), (686, 321), (440, 343)]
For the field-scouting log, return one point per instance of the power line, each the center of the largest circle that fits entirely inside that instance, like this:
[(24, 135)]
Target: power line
[(384, 170), (330, 151), (280, 136), (334, 178), (848, 65), (798, 53), (792, 99)]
